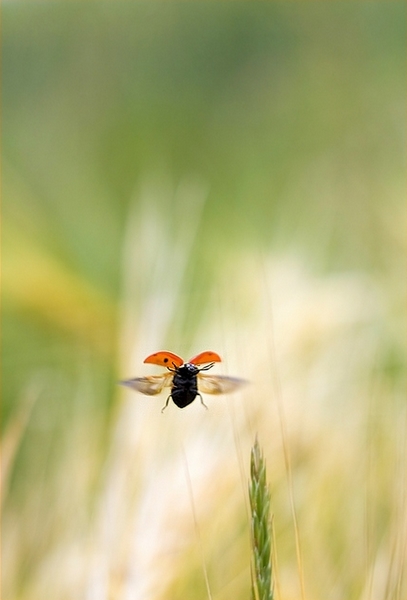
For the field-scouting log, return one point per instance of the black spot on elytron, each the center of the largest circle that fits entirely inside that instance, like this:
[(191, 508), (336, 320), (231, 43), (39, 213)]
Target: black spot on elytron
[(165, 359)]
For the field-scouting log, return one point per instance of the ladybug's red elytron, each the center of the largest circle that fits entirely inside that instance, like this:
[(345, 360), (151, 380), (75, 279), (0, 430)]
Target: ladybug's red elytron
[(186, 380)]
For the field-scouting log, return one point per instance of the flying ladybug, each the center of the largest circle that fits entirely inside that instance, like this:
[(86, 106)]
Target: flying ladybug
[(185, 379)]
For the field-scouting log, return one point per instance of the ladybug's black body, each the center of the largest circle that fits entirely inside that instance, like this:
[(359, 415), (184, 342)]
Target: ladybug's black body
[(185, 385)]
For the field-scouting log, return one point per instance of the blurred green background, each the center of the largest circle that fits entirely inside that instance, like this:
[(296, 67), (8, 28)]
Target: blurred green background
[(170, 171)]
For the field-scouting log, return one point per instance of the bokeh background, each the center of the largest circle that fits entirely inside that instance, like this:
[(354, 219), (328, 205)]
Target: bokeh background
[(192, 176)]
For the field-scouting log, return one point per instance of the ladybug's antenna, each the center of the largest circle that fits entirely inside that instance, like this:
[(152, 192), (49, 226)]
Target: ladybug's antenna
[(207, 367)]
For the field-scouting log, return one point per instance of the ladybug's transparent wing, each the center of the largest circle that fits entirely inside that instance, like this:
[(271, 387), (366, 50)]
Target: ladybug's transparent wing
[(150, 385), (219, 384)]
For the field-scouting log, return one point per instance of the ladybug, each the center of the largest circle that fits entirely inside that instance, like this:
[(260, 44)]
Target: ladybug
[(185, 379)]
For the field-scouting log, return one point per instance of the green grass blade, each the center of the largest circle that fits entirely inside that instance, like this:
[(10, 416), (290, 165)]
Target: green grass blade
[(259, 494)]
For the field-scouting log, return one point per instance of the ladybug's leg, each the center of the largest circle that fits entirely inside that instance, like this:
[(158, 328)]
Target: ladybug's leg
[(202, 402), (166, 404)]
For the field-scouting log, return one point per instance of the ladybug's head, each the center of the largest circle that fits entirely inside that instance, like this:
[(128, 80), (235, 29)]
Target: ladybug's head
[(188, 370)]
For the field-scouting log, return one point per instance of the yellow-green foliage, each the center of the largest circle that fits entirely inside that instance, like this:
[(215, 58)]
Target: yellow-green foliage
[(192, 176)]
